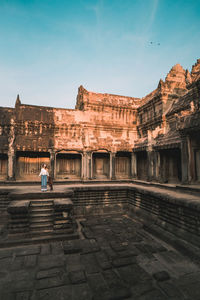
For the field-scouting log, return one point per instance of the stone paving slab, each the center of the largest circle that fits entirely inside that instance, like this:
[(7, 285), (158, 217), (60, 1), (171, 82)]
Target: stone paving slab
[(120, 261)]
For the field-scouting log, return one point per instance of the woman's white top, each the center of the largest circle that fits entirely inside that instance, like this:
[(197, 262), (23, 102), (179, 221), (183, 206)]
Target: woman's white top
[(44, 172)]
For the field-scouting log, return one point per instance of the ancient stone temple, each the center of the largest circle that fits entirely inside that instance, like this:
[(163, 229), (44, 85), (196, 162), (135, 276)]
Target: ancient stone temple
[(108, 137)]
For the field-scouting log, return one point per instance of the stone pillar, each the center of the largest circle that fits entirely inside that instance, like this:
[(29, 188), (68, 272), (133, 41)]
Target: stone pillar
[(184, 161), (54, 168), (133, 172), (52, 162), (191, 162), (157, 167), (89, 165), (11, 165), (150, 162), (84, 166), (11, 151), (112, 166)]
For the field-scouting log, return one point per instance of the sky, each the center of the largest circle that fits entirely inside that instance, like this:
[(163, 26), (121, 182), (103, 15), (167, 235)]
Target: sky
[(48, 48)]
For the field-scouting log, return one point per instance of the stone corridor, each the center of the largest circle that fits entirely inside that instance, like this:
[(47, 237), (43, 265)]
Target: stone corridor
[(115, 258)]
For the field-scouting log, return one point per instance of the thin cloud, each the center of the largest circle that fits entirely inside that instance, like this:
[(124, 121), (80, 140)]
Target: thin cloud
[(153, 13)]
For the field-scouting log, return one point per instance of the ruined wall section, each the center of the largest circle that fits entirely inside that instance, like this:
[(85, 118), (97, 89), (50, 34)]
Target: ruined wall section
[(93, 130), (186, 109), (152, 121), (189, 104), (105, 126), (34, 127), (6, 117), (87, 100), (100, 121)]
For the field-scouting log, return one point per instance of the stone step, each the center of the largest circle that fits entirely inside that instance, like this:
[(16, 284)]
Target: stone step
[(43, 232), (62, 225), (41, 210), (41, 219), (40, 201), (62, 222), (41, 226), (27, 239), (41, 204), (63, 230), (60, 218), (35, 215), (41, 195)]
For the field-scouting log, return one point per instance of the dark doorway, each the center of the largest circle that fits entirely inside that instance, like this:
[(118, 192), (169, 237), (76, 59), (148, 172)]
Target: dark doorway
[(101, 165), (68, 166), (3, 166), (28, 164), (142, 165), (170, 165), (123, 165)]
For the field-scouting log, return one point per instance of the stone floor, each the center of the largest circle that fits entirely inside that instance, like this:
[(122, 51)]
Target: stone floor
[(114, 259)]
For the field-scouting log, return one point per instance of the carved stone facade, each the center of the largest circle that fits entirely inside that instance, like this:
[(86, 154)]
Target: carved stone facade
[(108, 137)]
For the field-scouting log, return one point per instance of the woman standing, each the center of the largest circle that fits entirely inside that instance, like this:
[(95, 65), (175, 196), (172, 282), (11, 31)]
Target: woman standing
[(44, 173)]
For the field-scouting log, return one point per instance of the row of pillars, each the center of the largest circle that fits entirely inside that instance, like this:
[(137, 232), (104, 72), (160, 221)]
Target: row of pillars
[(153, 159), (155, 169), (86, 167)]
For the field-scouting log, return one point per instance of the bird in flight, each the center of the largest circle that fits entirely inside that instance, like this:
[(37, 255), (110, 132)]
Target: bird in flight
[(155, 43)]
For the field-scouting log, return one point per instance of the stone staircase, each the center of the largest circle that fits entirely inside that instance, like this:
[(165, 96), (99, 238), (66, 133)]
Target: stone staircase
[(44, 220), (41, 216), (38, 217)]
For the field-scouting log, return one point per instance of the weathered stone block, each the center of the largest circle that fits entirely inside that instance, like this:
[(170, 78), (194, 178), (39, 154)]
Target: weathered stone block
[(124, 261), (71, 247), (49, 273), (18, 207), (77, 277), (63, 204), (161, 276)]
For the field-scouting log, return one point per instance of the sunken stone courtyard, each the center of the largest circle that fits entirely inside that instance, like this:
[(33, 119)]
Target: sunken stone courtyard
[(123, 218), (115, 258)]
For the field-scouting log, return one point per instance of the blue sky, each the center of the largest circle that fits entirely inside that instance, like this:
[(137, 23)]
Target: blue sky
[(48, 48)]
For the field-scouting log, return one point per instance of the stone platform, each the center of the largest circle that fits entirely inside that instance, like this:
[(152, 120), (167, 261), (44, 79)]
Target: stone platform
[(115, 259), (120, 253)]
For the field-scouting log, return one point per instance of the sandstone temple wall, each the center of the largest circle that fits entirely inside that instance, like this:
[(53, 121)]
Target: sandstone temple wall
[(108, 137)]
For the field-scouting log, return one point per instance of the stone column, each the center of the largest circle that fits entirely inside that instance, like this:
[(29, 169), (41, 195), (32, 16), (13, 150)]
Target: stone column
[(11, 165), (184, 161), (112, 166), (157, 167), (133, 165), (54, 168), (11, 151), (191, 162), (84, 166), (150, 162), (89, 165), (52, 162)]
